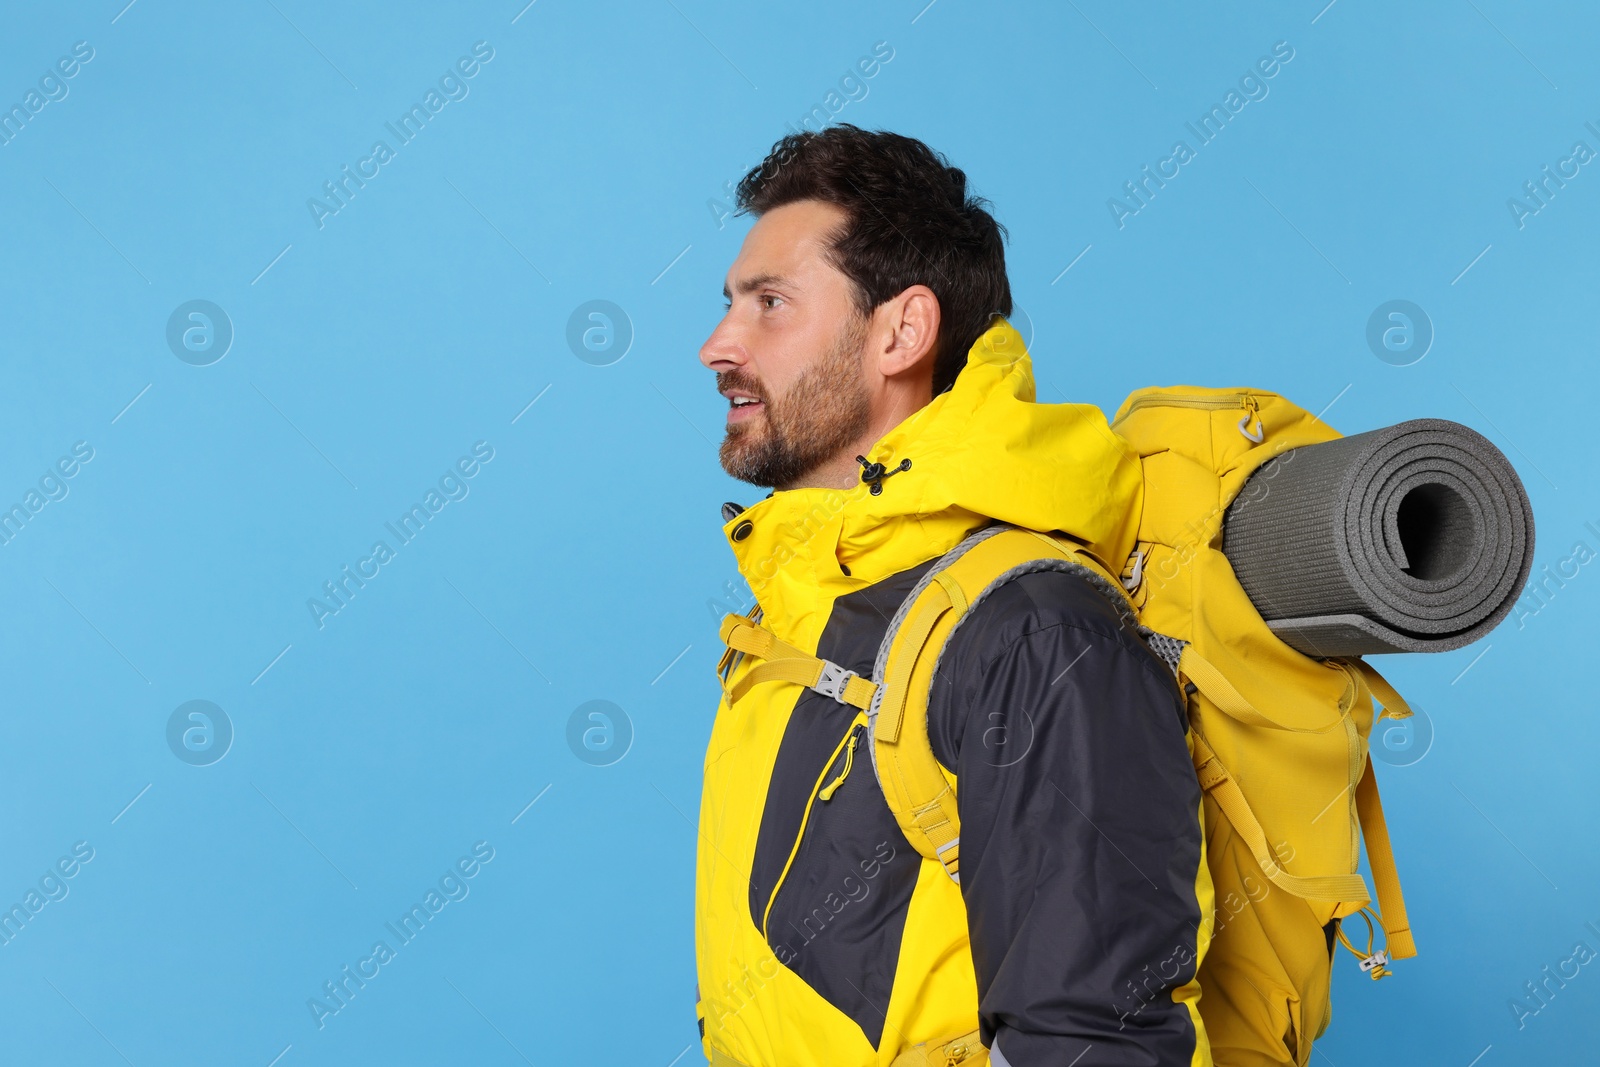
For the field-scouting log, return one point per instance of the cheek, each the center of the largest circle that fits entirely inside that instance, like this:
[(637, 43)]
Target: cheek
[(764, 374), (784, 362)]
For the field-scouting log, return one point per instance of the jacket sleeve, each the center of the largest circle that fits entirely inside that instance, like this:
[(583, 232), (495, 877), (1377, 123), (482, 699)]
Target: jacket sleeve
[(1080, 842)]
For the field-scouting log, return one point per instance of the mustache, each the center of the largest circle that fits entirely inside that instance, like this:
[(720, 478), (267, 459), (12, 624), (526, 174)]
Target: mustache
[(742, 382)]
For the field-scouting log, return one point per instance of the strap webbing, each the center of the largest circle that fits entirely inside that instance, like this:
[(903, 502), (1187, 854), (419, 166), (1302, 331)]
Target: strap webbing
[(1375, 830), (1229, 700), (1385, 878), (785, 663), (1394, 705), (1215, 779)]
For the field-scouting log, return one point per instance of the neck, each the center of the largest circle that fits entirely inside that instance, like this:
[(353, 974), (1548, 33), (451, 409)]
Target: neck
[(840, 472), (897, 404)]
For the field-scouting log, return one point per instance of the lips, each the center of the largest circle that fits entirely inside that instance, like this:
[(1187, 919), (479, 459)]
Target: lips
[(744, 403), (742, 408)]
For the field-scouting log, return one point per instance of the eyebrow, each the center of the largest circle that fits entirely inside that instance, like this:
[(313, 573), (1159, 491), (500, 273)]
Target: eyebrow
[(760, 281)]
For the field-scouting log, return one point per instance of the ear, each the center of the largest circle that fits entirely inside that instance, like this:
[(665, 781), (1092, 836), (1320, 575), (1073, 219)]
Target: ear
[(911, 321)]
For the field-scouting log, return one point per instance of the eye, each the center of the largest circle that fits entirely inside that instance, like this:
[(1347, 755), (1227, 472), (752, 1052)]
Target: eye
[(769, 296)]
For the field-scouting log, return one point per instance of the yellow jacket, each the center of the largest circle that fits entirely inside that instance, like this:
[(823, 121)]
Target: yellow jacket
[(822, 937)]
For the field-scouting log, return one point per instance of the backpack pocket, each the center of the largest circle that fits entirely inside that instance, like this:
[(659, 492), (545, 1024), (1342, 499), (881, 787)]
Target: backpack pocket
[(1266, 975)]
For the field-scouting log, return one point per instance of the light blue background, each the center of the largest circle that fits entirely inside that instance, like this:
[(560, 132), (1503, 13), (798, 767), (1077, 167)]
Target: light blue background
[(427, 314)]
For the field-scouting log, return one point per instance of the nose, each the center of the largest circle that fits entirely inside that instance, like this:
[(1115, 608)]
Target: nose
[(723, 350)]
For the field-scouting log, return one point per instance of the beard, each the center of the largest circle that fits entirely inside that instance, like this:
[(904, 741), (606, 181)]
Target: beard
[(823, 412)]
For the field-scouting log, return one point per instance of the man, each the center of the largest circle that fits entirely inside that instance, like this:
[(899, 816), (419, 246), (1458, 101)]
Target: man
[(873, 386)]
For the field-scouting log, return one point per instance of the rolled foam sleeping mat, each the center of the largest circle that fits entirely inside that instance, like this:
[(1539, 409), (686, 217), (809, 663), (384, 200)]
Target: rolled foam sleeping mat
[(1413, 538)]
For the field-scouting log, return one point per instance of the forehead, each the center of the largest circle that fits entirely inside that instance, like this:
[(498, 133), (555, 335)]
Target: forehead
[(787, 245)]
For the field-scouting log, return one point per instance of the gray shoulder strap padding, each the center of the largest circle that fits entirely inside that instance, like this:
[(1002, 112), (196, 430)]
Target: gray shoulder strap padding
[(1050, 563)]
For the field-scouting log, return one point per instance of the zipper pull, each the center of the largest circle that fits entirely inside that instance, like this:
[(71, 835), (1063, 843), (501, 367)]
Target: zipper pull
[(849, 758), (1248, 402)]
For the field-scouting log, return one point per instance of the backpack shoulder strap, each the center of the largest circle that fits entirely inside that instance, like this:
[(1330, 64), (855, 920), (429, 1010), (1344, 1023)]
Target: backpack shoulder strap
[(920, 792)]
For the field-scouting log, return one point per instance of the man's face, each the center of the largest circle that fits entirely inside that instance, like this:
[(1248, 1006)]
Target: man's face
[(788, 353)]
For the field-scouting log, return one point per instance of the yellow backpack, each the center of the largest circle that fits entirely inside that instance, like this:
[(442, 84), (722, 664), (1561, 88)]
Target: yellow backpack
[(1279, 739)]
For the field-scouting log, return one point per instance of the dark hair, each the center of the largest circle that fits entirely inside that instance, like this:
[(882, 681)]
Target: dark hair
[(910, 222)]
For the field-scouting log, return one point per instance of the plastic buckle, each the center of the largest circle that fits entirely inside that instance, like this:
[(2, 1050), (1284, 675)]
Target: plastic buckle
[(832, 681), (1374, 961)]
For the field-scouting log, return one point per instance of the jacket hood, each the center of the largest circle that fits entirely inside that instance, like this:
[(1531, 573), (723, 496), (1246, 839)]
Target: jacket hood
[(982, 450)]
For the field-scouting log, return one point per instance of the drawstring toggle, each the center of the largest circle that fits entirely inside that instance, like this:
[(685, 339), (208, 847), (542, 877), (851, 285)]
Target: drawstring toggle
[(873, 474)]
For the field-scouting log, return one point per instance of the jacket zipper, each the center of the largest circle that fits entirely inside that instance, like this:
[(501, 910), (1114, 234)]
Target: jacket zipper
[(849, 757), (847, 744)]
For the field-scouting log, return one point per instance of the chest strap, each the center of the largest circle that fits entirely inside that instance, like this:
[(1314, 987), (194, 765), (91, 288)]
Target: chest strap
[(782, 662)]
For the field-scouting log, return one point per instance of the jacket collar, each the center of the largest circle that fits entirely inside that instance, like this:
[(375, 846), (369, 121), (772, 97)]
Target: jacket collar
[(981, 451)]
